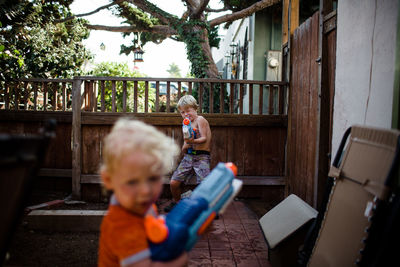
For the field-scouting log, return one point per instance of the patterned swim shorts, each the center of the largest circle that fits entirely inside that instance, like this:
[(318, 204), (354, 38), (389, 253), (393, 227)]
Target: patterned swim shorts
[(190, 165)]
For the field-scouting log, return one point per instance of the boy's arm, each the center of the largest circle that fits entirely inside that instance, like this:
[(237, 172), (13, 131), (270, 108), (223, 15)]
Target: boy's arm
[(185, 147)]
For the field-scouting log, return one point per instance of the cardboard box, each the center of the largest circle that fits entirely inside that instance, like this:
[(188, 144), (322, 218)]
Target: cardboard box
[(285, 227)]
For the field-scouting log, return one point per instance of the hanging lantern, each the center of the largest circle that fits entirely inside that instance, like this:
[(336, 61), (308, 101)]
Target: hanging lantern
[(138, 54)]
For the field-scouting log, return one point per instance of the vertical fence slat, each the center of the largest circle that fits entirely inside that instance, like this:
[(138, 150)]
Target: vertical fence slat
[(35, 95), (103, 92), (260, 100), (76, 139), (7, 96), (157, 96), (94, 96), (221, 98), (241, 98), (114, 95), (146, 96), (26, 95), (64, 96), (135, 96), (251, 98), (168, 95), (54, 96), (45, 96), (201, 86), (16, 90), (124, 95), (231, 98), (190, 88), (271, 100), (281, 99), (211, 98), (179, 90)]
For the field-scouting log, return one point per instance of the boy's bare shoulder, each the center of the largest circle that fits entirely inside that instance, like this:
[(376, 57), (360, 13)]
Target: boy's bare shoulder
[(202, 119)]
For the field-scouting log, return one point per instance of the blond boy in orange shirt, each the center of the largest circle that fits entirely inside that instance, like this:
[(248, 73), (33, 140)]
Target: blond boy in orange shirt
[(135, 158)]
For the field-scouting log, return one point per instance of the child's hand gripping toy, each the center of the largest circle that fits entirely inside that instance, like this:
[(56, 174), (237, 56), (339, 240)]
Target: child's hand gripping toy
[(191, 216), (187, 129), (188, 132)]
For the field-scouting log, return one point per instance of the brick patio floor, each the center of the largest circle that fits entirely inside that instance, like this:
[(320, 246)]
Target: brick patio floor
[(234, 239)]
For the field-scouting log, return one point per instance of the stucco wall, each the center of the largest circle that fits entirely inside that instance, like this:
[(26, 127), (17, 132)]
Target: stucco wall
[(366, 42)]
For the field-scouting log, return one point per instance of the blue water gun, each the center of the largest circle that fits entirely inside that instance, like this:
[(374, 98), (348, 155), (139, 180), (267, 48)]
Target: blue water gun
[(188, 132), (189, 219)]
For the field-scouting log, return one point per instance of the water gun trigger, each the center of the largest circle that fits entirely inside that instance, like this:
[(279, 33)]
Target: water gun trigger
[(156, 228)]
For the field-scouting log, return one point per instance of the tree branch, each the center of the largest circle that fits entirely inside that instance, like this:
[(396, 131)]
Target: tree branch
[(200, 9), (244, 12), (159, 29), (89, 13), (216, 10), (152, 9)]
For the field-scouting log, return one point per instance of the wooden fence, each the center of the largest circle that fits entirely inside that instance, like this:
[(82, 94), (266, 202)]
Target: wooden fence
[(248, 131)]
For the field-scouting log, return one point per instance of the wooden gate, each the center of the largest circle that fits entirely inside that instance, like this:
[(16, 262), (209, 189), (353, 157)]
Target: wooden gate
[(310, 107)]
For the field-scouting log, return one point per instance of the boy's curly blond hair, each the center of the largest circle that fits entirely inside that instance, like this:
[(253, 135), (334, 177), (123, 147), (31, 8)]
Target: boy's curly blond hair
[(128, 136), (187, 100)]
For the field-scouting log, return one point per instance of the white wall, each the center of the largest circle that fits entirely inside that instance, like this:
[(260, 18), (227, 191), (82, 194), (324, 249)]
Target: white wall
[(365, 57)]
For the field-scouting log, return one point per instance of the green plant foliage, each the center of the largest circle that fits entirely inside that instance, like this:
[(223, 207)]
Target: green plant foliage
[(32, 45), (174, 71), (113, 69)]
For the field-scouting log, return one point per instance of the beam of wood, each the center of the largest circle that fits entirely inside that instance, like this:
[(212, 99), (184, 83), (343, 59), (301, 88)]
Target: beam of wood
[(76, 139), (247, 180)]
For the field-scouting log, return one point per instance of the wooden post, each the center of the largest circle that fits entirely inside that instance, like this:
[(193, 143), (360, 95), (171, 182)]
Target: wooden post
[(76, 138)]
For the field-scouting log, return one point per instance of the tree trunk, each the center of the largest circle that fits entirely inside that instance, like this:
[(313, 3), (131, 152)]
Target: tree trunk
[(212, 70)]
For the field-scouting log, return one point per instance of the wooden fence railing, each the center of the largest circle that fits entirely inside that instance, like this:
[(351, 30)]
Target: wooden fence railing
[(249, 129), (145, 95)]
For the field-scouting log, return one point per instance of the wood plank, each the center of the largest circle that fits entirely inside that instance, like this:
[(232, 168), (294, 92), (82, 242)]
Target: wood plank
[(89, 118), (113, 96), (250, 99), (168, 97), (35, 94), (51, 172), (76, 139), (221, 98), (135, 97), (124, 96), (157, 96), (211, 98), (231, 98), (260, 99), (247, 180), (63, 96), (103, 92)]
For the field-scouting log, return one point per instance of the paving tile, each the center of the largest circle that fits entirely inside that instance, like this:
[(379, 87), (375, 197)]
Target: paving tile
[(218, 234), (199, 253), (262, 255), (236, 233), (221, 254), (219, 245), (223, 263), (247, 262), (199, 263), (253, 231), (202, 244), (264, 263), (242, 250), (259, 245), (250, 221)]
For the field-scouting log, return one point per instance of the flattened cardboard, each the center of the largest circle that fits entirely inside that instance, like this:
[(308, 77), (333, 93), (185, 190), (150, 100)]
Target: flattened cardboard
[(366, 161)]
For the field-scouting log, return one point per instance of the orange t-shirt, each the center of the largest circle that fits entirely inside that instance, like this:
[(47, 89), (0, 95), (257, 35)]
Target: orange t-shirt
[(123, 238)]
